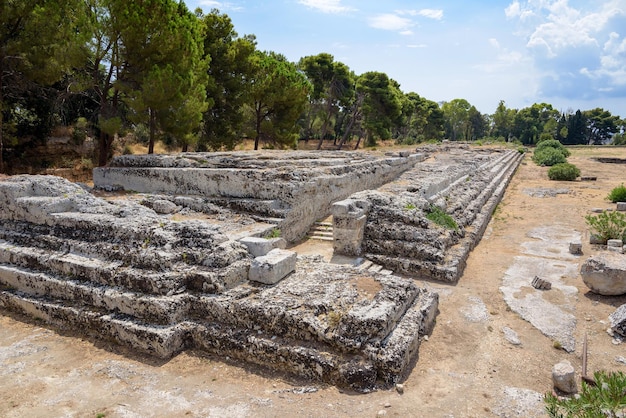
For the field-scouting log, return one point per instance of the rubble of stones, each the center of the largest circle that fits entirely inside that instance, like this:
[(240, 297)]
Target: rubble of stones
[(191, 261)]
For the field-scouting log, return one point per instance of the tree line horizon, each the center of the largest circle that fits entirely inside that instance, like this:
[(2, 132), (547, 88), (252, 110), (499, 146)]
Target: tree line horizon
[(156, 69)]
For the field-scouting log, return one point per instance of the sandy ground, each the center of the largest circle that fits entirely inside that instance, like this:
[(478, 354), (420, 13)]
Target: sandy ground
[(467, 368)]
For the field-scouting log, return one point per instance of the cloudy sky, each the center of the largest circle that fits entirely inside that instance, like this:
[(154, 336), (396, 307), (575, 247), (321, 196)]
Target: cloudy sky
[(569, 53)]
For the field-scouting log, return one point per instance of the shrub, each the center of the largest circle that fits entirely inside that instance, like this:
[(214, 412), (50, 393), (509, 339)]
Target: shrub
[(441, 218), (549, 156), (563, 171), (552, 143), (618, 194), (608, 225), (605, 399)]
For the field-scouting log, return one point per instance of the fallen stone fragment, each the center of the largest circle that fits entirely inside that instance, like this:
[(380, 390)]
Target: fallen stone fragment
[(511, 336), (273, 267), (400, 388), (614, 245), (621, 206), (575, 248), (541, 284), (618, 321), (258, 247), (605, 274), (564, 377)]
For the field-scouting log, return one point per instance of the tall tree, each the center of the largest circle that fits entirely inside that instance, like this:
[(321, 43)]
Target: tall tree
[(529, 122), (382, 107), (503, 121), (165, 71), (601, 126), (227, 88), (39, 41), (333, 87), (456, 113), (278, 94)]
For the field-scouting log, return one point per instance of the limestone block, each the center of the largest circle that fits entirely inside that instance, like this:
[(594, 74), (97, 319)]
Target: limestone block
[(605, 273), (164, 206), (257, 246), (618, 320), (615, 245), (564, 377), (273, 267), (349, 207), (575, 248), (621, 206), (280, 243)]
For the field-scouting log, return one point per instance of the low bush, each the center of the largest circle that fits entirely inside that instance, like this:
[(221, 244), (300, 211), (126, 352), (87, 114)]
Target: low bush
[(549, 156), (605, 399), (563, 172), (608, 225), (552, 143), (618, 194)]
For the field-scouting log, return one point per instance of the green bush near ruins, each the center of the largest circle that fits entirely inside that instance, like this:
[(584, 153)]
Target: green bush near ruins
[(563, 172), (605, 399), (549, 153), (618, 194), (608, 225)]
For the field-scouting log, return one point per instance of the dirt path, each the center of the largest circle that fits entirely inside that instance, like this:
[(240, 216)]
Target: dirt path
[(467, 368)]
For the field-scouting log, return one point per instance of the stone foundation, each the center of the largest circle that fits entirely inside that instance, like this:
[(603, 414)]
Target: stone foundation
[(121, 271)]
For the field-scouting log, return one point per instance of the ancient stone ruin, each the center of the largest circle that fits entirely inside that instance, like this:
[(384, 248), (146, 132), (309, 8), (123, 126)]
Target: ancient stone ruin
[(191, 261)]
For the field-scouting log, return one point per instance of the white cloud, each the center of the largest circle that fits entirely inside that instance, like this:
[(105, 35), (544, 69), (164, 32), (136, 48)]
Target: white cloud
[(390, 21), (326, 6), (579, 48), (429, 13)]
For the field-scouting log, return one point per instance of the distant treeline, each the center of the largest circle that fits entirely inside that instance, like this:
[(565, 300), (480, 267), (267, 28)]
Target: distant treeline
[(157, 69)]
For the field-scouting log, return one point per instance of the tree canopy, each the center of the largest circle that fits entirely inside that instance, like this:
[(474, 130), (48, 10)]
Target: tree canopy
[(189, 78)]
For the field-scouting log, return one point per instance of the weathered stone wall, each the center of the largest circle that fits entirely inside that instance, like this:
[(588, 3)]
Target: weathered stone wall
[(303, 185)]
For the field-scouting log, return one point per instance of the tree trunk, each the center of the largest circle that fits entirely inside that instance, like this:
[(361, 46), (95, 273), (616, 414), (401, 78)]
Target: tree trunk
[(257, 126), (1, 108), (185, 147), (103, 153), (152, 123)]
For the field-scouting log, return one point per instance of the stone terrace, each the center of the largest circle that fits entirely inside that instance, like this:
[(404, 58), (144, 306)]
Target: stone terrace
[(121, 271), (389, 225), (131, 270), (290, 189)]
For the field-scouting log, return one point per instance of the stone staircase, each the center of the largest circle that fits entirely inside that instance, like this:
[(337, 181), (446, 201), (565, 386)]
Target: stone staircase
[(119, 271), (322, 230)]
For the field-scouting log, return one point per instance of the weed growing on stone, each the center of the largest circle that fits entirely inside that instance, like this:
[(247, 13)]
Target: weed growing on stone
[(618, 194), (274, 233), (334, 318), (409, 206), (441, 218), (606, 399), (608, 225)]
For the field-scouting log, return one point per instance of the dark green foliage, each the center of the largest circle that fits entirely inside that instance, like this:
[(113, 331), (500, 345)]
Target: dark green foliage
[(441, 218), (564, 172), (618, 194), (606, 399), (553, 143), (548, 157), (608, 225)]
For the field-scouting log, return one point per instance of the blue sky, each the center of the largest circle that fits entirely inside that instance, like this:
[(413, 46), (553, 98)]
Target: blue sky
[(569, 53)]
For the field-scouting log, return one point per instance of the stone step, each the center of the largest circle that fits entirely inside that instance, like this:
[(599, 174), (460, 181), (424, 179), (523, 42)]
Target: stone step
[(160, 341), (115, 273), (157, 309)]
